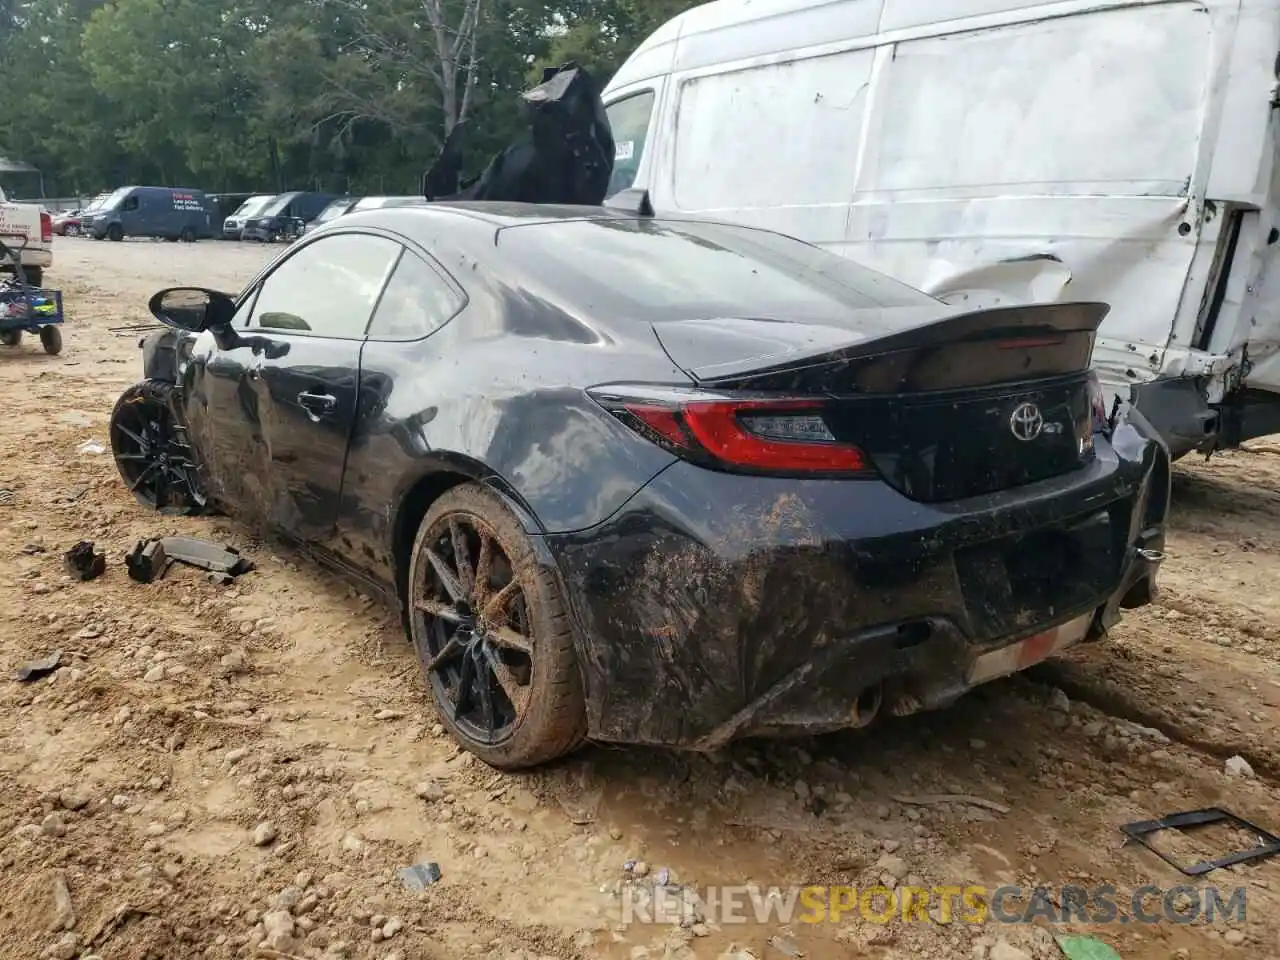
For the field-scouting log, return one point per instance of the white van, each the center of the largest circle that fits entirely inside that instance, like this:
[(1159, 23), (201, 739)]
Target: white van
[(994, 150)]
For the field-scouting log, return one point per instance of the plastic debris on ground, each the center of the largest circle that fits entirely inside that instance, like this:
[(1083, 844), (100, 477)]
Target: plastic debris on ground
[(36, 669), (150, 559), (92, 447), (1086, 948), (420, 875), (85, 563)]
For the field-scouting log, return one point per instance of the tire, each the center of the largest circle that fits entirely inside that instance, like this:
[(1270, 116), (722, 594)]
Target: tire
[(11, 338), (71, 230), (35, 276), (51, 340), (546, 716), (143, 427), (115, 233), (188, 235)]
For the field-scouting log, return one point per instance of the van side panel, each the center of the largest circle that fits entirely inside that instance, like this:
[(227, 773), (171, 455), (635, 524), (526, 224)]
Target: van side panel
[(983, 150), (731, 161)]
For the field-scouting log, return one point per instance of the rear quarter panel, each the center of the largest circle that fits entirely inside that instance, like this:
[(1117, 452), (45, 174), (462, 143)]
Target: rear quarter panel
[(497, 395)]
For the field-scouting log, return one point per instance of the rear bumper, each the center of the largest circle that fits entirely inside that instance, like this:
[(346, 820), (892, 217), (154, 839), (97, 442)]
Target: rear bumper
[(714, 606)]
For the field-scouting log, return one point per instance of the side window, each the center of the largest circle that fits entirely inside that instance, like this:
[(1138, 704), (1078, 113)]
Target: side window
[(131, 203), (417, 301), (328, 288), (629, 120)]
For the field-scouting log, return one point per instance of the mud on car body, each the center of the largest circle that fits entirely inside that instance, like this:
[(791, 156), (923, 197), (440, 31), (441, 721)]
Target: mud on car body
[(645, 480)]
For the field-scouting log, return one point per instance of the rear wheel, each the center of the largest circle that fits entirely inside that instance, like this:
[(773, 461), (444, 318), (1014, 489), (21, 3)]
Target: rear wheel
[(491, 631), (151, 450), (115, 232), (71, 230), (10, 338), (51, 340), (35, 276)]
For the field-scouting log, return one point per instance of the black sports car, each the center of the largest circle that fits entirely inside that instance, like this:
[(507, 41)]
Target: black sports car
[(649, 480)]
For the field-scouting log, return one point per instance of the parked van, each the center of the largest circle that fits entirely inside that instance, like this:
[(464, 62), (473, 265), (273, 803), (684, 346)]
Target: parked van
[(994, 151), (285, 216), (233, 224), (174, 213)]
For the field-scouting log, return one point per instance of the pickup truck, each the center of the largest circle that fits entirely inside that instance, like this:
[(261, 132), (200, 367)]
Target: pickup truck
[(29, 222)]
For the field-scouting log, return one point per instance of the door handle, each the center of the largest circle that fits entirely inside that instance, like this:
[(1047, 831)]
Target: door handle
[(316, 404)]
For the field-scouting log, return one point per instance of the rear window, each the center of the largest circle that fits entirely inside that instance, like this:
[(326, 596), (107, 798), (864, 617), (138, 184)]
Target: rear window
[(667, 269)]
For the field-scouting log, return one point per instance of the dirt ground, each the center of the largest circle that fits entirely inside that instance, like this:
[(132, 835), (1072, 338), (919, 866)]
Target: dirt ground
[(214, 767)]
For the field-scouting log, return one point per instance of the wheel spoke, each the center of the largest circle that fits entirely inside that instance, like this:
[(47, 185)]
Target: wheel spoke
[(461, 556), (133, 487), (442, 611), (484, 563), (135, 437), (516, 693), (466, 681), (510, 639), (133, 456), (160, 487), (448, 652), (447, 577), (485, 689), (495, 606)]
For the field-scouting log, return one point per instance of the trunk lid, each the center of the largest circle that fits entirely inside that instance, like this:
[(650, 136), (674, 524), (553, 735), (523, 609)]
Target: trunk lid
[(961, 406)]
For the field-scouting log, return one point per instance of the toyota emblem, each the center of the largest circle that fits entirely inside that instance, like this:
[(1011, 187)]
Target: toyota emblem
[(1026, 422)]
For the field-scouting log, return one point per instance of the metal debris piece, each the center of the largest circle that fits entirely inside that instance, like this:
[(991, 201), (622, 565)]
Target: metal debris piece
[(933, 800), (1140, 832), (420, 875), (72, 494), (83, 562), (147, 561), (36, 669), (7, 497)]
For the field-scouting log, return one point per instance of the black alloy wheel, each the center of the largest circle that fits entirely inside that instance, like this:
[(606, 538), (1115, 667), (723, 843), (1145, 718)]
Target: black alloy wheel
[(491, 633), (151, 450)]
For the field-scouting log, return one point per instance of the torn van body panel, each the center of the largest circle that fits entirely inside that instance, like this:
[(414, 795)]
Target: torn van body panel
[(997, 152)]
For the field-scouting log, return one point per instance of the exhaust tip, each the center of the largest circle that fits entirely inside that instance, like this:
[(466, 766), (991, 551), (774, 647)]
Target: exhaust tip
[(867, 706)]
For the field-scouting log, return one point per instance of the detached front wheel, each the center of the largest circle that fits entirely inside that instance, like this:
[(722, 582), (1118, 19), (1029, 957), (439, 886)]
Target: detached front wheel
[(151, 450), (492, 633)]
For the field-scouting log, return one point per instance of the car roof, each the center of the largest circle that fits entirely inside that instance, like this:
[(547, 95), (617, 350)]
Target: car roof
[(486, 215)]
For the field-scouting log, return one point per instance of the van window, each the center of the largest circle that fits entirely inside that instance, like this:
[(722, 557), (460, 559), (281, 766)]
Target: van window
[(1104, 100), (629, 121), (116, 198), (782, 133)]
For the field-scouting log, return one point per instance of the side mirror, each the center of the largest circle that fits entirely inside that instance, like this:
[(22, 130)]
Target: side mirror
[(193, 309)]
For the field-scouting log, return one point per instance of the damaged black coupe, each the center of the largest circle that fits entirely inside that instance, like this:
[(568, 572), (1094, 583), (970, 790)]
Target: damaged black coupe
[(647, 480)]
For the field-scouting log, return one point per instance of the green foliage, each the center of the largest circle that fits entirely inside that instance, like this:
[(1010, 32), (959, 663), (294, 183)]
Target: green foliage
[(338, 95)]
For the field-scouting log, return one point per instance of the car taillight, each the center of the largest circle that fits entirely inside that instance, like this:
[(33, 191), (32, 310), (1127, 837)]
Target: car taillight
[(742, 434), (46, 228)]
